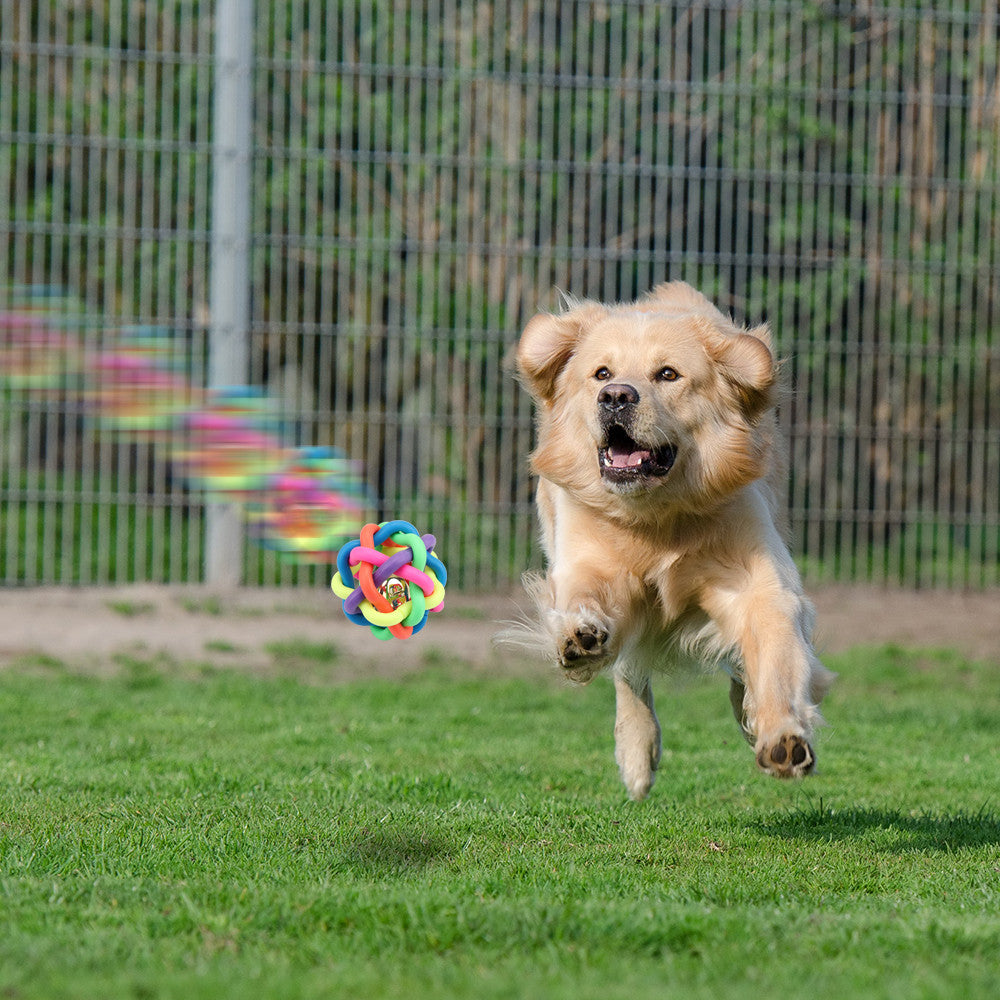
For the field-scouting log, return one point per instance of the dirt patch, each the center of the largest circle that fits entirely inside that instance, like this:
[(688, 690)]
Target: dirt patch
[(88, 628), (861, 616)]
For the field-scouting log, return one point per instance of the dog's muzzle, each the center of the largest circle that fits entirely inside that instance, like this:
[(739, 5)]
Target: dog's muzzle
[(622, 459)]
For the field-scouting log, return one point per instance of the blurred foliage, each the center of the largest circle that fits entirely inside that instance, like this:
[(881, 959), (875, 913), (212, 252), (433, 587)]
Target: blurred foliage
[(425, 174)]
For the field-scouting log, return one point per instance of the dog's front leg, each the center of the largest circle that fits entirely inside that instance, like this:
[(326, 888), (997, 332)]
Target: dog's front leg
[(769, 623), (637, 734), (581, 622), (590, 592)]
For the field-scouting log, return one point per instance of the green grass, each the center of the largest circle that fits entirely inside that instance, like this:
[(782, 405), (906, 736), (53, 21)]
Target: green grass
[(207, 605), (222, 646), (457, 835), (291, 653), (131, 609)]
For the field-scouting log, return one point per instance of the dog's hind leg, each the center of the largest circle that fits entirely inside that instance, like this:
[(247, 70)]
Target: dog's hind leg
[(637, 734), (737, 698)]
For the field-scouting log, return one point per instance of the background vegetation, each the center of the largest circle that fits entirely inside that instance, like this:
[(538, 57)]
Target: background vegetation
[(426, 174)]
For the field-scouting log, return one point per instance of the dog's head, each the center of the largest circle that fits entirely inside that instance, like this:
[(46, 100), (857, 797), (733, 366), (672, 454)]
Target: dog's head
[(660, 402)]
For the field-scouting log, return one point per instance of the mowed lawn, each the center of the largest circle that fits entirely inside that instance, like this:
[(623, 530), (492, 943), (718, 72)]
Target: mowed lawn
[(171, 830)]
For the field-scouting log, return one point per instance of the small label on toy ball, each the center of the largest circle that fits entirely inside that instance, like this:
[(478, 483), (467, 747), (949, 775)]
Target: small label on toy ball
[(395, 591)]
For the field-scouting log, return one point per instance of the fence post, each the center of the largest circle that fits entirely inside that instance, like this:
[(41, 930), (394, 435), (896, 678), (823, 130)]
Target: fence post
[(229, 288)]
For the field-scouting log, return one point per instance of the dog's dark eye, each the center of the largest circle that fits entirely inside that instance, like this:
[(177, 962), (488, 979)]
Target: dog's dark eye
[(667, 374), (602, 374)]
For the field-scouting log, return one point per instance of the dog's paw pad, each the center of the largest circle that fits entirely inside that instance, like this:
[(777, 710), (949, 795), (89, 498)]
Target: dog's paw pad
[(789, 757), (586, 641)]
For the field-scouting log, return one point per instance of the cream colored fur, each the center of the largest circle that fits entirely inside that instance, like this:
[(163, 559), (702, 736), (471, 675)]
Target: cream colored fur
[(690, 565)]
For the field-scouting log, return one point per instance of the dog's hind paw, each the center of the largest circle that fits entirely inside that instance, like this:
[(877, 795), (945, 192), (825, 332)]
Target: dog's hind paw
[(789, 757)]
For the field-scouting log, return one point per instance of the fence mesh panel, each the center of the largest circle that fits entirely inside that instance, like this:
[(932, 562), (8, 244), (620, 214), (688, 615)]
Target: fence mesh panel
[(426, 175)]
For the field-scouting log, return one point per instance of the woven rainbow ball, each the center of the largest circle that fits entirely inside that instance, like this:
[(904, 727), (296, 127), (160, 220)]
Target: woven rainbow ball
[(390, 579)]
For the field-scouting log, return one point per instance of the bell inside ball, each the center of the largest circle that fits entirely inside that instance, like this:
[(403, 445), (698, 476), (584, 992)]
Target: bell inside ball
[(395, 591)]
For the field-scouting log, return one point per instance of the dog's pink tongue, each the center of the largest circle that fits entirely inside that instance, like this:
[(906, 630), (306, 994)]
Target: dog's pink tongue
[(627, 460)]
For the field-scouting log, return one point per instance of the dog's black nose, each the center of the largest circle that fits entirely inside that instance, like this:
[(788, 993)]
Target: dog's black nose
[(617, 396)]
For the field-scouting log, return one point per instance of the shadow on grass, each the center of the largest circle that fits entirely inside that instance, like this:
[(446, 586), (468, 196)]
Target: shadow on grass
[(394, 852), (890, 829)]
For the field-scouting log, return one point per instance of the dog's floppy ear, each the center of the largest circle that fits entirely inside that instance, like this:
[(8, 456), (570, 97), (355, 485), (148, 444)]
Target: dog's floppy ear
[(546, 345), (747, 364)]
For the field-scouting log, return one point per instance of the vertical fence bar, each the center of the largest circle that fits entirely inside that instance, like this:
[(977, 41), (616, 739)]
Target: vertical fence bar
[(229, 292)]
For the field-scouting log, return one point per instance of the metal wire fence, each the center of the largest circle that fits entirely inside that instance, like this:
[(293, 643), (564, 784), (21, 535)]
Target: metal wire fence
[(423, 176)]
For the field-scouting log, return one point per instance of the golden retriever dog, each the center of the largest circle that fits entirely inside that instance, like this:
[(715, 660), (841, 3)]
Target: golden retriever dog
[(656, 454)]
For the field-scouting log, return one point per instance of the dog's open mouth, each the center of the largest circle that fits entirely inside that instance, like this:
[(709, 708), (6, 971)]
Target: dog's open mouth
[(623, 460)]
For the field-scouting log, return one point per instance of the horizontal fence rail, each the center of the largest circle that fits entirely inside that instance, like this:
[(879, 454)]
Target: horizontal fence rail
[(422, 178)]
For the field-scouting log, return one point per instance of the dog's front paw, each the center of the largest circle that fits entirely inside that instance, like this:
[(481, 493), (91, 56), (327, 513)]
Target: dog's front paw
[(584, 651), (587, 640), (788, 757)]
